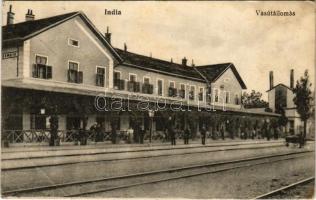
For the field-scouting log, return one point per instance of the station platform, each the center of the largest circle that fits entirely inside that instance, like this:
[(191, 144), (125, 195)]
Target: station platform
[(136, 146)]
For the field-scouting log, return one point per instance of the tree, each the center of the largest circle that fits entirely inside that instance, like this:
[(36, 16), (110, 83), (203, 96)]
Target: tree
[(303, 99), (253, 100)]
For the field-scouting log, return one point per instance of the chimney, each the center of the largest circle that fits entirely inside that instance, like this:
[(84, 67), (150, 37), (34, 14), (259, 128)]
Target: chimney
[(10, 16), (125, 47), (29, 15), (193, 65), (171, 60), (271, 79), (108, 35), (292, 79), (184, 61)]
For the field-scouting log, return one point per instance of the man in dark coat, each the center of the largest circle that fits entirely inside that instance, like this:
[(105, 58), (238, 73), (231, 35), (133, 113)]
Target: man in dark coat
[(141, 135), (172, 134), (203, 135), (93, 130), (53, 129), (222, 133), (186, 135)]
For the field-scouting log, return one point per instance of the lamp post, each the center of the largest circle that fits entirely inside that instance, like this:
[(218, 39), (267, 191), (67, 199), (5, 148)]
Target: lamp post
[(151, 114)]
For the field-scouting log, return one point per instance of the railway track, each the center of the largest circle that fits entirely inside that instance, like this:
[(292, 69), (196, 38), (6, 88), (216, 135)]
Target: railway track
[(282, 190), (77, 161), (89, 187)]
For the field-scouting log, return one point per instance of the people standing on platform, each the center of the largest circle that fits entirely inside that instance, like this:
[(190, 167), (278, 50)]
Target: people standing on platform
[(53, 130), (268, 129), (264, 129), (113, 135), (172, 135), (186, 135), (99, 134), (141, 135), (253, 134), (222, 133), (130, 135), (93, 130), (203, 135)]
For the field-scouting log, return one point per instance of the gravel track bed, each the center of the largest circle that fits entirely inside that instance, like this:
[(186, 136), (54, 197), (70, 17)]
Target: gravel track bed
[(243, 183), (153, 177), (34, 177)]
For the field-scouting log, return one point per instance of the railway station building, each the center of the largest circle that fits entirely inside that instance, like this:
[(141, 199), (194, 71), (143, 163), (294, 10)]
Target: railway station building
[(64, 65)]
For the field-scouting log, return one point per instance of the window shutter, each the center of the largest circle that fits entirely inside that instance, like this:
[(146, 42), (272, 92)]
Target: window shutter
[(137, 87), (122, 84), (80, 77), (49, 72), (97, 80), (35, 71), (69, 75)]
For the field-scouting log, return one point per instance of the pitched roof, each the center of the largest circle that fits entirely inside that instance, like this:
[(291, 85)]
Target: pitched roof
[(15, 33), (154, 64), (213, 72), (23, 29), (278, 85)]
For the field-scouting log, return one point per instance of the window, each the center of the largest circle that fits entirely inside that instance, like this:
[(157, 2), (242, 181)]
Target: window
[(40, 68), (41, 60), (160, 87), (101, 70), (236, 99), (192, 92), (182, 91), (201, 94), (147, 88), (74, 75), (172, 84), (216, 95), (100, 76), (172, 89), (74, 66), (119, 84), (133, 85), (146, 80), (227, 97), (117, 75), (132, 77), (73, 42)]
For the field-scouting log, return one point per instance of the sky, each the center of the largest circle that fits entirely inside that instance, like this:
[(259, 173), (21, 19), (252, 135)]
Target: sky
[(209, 32)]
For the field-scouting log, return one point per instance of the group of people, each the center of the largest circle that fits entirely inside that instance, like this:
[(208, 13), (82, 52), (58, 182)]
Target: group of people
[(186, 134), (96, 128), (137, 134)]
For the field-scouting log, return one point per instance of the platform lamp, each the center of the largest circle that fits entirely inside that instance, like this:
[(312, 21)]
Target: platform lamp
[(42, 111), (151, 115)]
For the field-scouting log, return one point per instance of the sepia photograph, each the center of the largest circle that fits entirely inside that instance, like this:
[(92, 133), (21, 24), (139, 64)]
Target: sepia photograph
[(158, 99)]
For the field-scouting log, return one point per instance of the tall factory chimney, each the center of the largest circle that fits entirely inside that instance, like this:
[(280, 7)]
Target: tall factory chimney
[(271, 79), (292, 79)]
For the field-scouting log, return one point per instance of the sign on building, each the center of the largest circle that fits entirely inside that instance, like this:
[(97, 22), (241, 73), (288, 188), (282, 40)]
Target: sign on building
[(11, 54)]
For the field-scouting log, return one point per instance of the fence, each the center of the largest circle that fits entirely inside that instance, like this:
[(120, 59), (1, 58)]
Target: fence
[(38, 136), (43, 136)]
